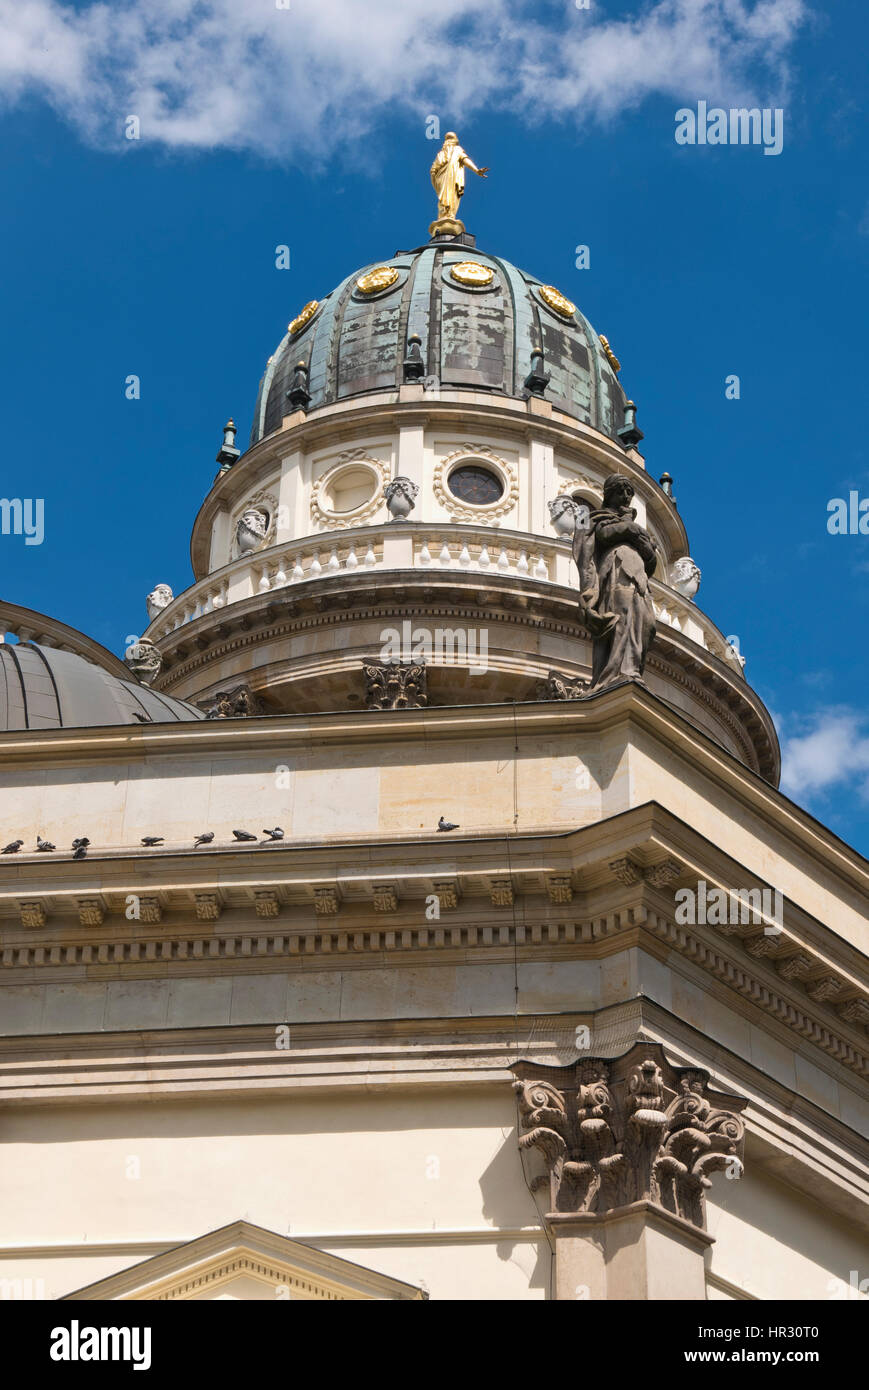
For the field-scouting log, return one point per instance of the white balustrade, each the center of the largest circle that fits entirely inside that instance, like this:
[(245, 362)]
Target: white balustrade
[(463, 548)]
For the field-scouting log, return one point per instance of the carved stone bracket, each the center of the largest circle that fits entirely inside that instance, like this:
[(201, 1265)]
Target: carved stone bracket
[(207, 907), (855, 1011), (237, 703), (326, 901), (447, 893), (395, 686), (560, 888), (384, 897), (90, 912), (33, 914), (631, 1129), (557, 686), (827, 987), (661, 875), (502, 892)]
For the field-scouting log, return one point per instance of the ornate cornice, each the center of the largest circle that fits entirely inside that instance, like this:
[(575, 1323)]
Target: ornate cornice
[(333, 943)]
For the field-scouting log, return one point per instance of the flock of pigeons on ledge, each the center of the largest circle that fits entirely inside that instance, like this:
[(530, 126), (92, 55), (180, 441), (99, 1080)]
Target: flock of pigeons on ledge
[(80, 846)]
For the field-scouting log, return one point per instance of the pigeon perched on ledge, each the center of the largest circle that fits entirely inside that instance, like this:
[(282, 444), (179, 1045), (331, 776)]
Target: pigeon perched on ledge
[(203, 839), (80, 848), (151, 840), (276, 834), (447, 825), (44, 846), (243, 835), (13, 848)]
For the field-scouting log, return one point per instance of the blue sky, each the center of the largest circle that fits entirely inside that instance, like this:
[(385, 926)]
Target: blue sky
[(306, 127)]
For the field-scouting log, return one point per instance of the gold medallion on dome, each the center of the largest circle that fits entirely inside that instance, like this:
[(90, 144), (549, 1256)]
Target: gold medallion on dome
[(378, 279), (472, 273), (304, 317), (557, 301)]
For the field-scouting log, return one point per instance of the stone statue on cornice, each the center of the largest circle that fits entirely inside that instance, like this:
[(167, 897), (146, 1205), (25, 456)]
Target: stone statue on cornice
[(615, 557)]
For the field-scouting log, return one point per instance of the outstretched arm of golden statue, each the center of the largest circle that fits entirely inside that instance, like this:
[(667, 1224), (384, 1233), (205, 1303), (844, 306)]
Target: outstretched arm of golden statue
[(469, 164)]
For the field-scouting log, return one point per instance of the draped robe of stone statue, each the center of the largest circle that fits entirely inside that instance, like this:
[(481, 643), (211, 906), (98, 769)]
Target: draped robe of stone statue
[(615, 557)]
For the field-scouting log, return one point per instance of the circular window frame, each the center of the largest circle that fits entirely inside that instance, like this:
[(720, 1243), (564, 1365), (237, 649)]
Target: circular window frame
[(323, 514), (470, 511), (481, 468)]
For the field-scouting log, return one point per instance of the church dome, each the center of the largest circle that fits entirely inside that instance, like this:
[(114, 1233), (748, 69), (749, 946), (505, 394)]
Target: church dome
[(467, 319), (43, 688)]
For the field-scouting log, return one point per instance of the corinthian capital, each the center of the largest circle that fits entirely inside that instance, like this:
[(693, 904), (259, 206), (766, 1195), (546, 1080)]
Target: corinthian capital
[(631, 1129)]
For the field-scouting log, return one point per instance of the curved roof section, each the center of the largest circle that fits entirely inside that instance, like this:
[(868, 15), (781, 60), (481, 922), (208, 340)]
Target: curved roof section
[(44, 688), (473, 335)]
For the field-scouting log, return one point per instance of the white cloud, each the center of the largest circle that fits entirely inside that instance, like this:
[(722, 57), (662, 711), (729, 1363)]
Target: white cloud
[(832, 754), (296, 83)]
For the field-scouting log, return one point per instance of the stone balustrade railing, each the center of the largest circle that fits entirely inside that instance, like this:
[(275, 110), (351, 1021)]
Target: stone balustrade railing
[(18, 624), (474, 550), (481, 550), (18, 631)]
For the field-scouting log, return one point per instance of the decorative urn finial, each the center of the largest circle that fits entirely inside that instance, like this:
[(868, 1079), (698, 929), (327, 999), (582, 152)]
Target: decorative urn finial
[(143, 661), (568, 516), (227, 453), (250, 533), (630, 434), (298, 395), (401, 495), (537, 379), (414, 366)]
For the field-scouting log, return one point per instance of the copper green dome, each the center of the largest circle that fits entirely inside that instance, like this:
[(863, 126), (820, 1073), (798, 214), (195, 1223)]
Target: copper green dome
[(44, 688), (477, 319)]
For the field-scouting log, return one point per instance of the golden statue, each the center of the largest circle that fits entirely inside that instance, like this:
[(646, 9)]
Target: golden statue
[(448, 181)]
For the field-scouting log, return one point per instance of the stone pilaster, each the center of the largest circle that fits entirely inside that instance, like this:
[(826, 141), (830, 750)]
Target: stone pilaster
[(628, 1146)]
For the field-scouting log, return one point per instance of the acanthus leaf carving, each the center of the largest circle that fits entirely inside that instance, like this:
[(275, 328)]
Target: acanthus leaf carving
[(395, 685), (634, 1128)]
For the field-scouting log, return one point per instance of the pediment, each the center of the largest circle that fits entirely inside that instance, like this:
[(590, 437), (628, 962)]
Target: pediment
[(246, 1262)]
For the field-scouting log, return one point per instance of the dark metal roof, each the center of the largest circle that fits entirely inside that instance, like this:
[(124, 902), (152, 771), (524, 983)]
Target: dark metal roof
[(472, 337), (44, 688)]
